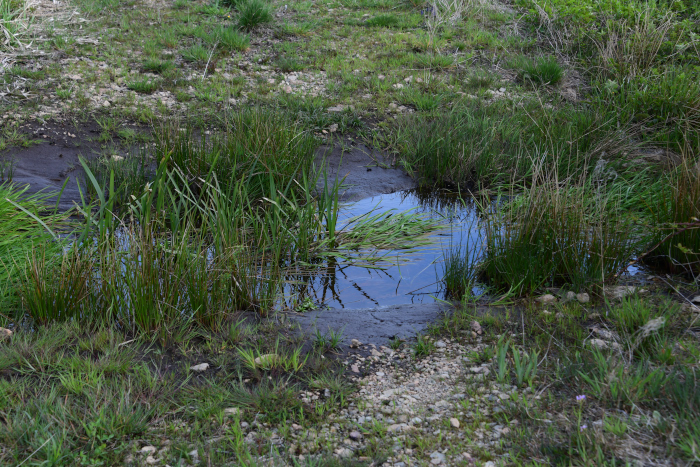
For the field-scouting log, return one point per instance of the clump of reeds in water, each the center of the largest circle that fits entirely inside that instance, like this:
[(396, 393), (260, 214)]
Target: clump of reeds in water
[(557, 232)]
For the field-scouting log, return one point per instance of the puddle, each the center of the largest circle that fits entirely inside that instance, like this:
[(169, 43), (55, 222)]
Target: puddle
[(416, 279)]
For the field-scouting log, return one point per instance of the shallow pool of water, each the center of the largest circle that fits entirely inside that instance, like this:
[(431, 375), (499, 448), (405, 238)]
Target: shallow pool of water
[(417, 278)]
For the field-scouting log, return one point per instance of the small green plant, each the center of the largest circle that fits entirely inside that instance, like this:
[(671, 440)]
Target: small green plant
[(395, 343), (502, 359), (307, 304), (153, 65), (525, 366), (144, 86), (328, 342), (544, 70), (196, 53), (423, 346), (614, 425), (253, 13), (63, 93)]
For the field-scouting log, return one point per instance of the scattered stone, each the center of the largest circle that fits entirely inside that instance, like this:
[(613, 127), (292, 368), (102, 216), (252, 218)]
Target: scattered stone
[(696, 299), (440, 344), (344, 453), (267, 360), (602, 345), (583, 297), (232, 411), (570, 296), (547, 298), (148, 450), (354, 344), (152, 460), (437, 458), (454, 423), (199, 368), (686, 307), (355, 435), (5, 334), (194, 454), (117, 158), (619, 292), (355, 368), (476, 327)]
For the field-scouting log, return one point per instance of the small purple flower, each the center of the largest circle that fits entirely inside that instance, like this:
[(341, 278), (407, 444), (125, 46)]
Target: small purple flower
[(583, 427), (580, 398)]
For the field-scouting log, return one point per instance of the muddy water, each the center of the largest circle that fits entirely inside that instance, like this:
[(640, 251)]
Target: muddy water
[(415, 278)]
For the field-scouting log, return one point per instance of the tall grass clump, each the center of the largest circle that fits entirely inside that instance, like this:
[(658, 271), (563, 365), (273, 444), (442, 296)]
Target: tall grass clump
[(253, 13), (24, 223), (480, 146), (556, 234), (544, 70), (675, 213)]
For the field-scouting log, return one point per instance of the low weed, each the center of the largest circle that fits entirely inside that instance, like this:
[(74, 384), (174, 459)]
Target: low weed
[(423, 346)]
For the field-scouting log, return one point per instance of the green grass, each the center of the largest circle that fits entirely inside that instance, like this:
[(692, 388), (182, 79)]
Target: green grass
[(253, 13), (144, 86), (197, 53), (230, 39), (676, 244), (21, 231), (544, 70), (575, 236), (157, 66)]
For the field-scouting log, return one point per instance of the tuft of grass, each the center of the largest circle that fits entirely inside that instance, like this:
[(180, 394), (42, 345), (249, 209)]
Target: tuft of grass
[(382, 21), (288, 64), (422, 101), (544, 70), (423, 346), (480, 80), (144, 86), (556, 235), (157, 66), (196, 53), (230, 39), (253, 13)]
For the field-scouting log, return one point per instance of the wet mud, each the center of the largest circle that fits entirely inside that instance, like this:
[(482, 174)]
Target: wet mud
[(53, 159), (374, 325), (361, 171)]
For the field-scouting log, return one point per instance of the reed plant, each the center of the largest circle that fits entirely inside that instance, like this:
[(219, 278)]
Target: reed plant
[(557, 232), (475, 146), (675, 246)]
